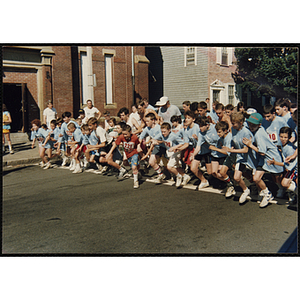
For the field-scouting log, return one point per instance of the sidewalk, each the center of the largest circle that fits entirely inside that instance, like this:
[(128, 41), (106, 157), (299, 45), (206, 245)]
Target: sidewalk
[(23, 154)]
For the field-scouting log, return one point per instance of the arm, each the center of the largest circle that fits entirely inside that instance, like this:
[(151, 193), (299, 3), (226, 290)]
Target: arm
[(137, 126), (274, 162), (114, 146), (291, 157), (211, 147), (249, 144)]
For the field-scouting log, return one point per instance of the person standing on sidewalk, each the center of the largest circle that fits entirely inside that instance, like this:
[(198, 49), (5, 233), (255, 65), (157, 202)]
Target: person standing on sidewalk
[(49, 113), (91, 111), (6, 129)]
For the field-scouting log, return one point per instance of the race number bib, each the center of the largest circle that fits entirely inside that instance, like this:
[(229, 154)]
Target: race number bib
[(128, 146), (273, 136)]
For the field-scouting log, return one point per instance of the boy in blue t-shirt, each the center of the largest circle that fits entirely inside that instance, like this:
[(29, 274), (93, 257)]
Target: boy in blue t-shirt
[(219, 155), (208, 136), (242, 157), (291, 173), (75, 143), (272, 123), (169, 145), (266, 150)]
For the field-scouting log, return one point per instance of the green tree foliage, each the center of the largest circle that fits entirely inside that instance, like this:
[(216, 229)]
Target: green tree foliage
[(268, 71)]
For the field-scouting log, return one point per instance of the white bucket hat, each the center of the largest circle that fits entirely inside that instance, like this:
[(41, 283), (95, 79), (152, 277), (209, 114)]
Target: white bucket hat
[(162, 101)]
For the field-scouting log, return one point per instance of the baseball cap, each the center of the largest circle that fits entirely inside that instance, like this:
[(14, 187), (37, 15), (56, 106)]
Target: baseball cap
[(81, 111), (255, 118), (162, 101), (251, 111)]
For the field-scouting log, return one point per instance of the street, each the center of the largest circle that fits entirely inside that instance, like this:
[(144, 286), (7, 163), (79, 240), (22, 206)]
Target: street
[(56, 212)]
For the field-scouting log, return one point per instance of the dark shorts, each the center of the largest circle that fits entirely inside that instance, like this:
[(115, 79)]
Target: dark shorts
[(203, 157), (159, 151), (220, 160), (229, 162)]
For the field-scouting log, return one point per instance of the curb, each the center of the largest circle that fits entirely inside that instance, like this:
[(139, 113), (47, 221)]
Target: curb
[(21, 161)]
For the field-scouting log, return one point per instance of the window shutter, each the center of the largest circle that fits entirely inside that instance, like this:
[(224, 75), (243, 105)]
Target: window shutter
[(230, 52), (219, 54)]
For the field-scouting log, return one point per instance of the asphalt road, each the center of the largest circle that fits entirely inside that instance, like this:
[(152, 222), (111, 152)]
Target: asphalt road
[(56, 212)]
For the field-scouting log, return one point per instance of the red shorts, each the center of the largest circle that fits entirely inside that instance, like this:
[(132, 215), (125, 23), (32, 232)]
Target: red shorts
[(83, 148), (187, 155)]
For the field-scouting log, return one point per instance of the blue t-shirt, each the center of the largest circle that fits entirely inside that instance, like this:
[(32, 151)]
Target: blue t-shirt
[(40, 135), (227, 142), (288, 150), (273, 128), (188, 135), (214, 116), (267, 147), (148, 131), (78, 136), (171, 140), (207, 138), (64, 127), (249, 159)]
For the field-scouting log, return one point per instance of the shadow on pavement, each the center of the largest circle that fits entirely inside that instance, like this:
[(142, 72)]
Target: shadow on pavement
[(5, 172), (291, 244)]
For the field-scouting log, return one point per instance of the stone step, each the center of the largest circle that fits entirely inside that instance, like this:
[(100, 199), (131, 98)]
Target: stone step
[(19, 138)]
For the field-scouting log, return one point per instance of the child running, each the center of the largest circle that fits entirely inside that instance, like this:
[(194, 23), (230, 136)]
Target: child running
[(290, 173), (266, 150), (130, 142)]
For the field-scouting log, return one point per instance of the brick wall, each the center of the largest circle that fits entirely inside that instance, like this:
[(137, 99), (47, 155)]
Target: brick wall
[(215, 71), (62, 80)]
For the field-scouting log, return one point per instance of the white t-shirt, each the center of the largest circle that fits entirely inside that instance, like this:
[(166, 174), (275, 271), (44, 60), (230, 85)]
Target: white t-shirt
[(50, 113), (135, 116), (90, 112), (103, 135)]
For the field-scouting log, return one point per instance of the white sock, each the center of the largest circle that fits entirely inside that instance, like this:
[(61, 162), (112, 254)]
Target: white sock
[(135, 177)]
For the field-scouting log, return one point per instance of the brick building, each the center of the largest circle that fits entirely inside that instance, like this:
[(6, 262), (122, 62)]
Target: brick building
[(191, 73), (69, 76)]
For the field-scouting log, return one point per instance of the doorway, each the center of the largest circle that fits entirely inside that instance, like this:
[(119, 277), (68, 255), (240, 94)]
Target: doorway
[(14, 97)]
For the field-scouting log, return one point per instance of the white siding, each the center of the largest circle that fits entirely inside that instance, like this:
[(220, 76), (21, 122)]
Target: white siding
[(184, 83)]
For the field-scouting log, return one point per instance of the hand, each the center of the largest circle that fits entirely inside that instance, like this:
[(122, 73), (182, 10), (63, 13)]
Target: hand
[(271, 161), (43, 144), (247, 142), (144, 157), (60, 135), (227, 149), (288, 158), (32, 146), (195, 136)]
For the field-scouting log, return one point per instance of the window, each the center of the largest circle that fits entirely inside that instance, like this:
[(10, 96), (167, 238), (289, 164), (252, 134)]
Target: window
[(216, 95), (224, 56), (230, 94), (108, 78), (190, 56), (224, 60)]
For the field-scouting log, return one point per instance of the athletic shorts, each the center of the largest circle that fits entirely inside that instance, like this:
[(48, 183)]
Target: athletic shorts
[(244, 168), (220, 160), (5, 130), (133, 160), (174, 159), (292, 174), (203, 157), (159, 151), (229, 162), (83, 148)]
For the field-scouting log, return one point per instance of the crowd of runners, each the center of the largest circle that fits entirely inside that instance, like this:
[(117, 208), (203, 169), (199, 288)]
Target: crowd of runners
[(228, 143)]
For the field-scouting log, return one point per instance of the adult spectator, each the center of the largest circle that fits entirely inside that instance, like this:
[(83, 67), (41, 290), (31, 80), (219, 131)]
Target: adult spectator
[(82, 116), (49, 113), (167, 110), (91, 111), (147, 105), (123, 114), (6, 120), (143, 111), (135, 114)]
